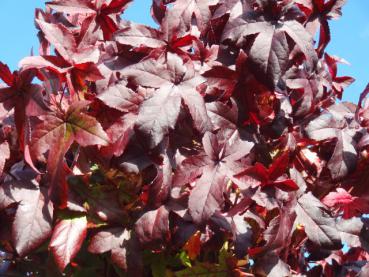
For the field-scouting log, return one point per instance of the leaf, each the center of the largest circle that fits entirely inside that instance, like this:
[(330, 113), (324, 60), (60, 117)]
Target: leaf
[(272, 266), (319, 225), (71, 6), (55, 130), (86, 130), (184, 10), (278, 166), (324, 127), (6, 75), (269, 54), (121, 98), (211, 136), (176, 82), (353, 232), (102, 14), (33, 221), (153, 226), (207, 196), (332, 125), (302, 39), (274, 176), (123, 247), (107, 240), (129, 256), (270, 51), (160, 187), (13, 188), (345, 202), (278, 232), (158, 115), (61, 37), (67, 239), (137, 35), (343, 160), (33, 218), (193, 246), (218, 166)]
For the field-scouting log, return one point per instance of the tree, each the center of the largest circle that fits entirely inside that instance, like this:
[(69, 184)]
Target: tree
[(213, 145)]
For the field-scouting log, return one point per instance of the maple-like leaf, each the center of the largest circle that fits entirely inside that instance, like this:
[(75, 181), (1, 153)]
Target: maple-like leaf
[(107, 240), (175, 82), (354, 232), (330, 126), (123, 247), (56, 133), (215, 134), (153, 226), (67, 239), (104, 13), (339, 83), (274, 176), (32, 223), (278, 231), (319, 13), (223, 116), (76, 63), (61, 128), (270, 50), (319, 224), (26, 98), (180, 16), (345, 202), (137, 35), (216, 166)]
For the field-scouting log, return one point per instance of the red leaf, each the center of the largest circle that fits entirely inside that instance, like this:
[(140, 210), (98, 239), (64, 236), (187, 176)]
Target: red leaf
[(67, 239), (61, 37), (6, 75), (344, 201), (286, 185), (279, 166)]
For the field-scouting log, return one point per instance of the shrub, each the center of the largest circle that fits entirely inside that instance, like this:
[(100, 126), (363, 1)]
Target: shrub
[(213, 145)]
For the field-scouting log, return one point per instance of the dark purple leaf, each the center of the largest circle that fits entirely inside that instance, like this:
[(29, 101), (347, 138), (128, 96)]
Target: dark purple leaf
[(319, 224)]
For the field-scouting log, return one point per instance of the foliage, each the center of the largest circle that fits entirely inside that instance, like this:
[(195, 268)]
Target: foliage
[(213, 145)]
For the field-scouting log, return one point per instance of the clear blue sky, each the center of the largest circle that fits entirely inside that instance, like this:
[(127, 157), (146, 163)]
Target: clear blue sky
[(350, 35)]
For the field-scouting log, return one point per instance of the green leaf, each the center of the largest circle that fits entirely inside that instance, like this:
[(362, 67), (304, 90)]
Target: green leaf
[(185, 259), (203, 269)]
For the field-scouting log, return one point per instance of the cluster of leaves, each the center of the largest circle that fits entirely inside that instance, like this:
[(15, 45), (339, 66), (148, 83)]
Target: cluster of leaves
[(213, 145)]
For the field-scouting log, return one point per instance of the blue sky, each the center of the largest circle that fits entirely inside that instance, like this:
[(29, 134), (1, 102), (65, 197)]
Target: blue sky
[(350, 35)]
